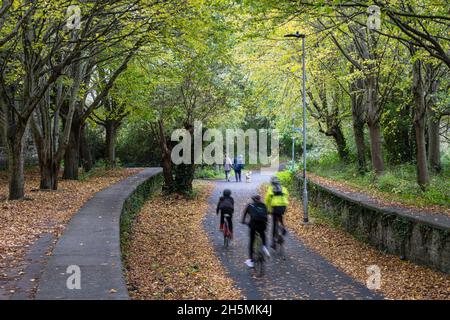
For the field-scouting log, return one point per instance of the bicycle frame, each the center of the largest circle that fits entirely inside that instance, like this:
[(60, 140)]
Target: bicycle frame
[(226, 231), (258, 255), (279, 240)]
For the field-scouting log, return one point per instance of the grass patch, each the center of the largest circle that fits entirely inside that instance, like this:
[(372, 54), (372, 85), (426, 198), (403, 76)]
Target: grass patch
[(209, 173)]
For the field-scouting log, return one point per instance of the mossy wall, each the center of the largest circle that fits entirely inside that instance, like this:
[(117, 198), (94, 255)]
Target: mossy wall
[(407, 237), (133, 205)]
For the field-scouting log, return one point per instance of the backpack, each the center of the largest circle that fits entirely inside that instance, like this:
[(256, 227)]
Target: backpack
[(277, 190), (258, 213), (226, 203)]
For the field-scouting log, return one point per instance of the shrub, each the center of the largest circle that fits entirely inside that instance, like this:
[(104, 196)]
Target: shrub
[(208, 173), (286, 178)]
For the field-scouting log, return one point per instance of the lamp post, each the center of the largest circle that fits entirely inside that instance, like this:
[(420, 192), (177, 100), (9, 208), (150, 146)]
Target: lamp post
[(305, 189)]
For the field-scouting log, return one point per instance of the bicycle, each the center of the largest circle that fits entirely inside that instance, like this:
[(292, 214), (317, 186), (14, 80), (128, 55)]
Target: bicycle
[(226, 231), (280, 231), (258, 256)]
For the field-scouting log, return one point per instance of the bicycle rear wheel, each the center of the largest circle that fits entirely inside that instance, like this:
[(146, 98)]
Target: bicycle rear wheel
[(259, 257), (279, 241), (226, 242), (226, 235)]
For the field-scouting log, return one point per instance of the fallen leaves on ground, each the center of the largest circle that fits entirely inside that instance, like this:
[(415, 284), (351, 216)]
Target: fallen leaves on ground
[(399, 279), (22, 221), (169, 255)]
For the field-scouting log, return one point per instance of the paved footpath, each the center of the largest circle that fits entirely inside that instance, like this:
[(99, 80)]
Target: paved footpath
[(303, 274), (91, 242)]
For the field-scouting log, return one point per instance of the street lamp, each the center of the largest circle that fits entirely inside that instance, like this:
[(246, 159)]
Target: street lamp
[(305, 189)]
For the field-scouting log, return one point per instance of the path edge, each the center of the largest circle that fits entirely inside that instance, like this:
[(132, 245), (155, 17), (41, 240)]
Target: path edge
[(99, 225)]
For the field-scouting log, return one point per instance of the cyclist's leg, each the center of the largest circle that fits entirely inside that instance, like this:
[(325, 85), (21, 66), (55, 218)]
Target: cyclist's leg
[(222, 220), (274, 224), (283, 227), (252, 242), (263, 236), (230, 224), (282, 212), (262, 232)]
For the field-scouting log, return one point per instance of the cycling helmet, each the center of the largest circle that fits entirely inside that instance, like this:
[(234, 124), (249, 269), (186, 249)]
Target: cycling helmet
[(226, 192)]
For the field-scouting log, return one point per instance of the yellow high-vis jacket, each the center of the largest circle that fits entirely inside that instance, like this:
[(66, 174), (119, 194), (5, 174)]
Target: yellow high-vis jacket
[(273, 200)]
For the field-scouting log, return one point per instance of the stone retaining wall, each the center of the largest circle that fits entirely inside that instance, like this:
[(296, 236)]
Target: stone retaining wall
[(423, 238)]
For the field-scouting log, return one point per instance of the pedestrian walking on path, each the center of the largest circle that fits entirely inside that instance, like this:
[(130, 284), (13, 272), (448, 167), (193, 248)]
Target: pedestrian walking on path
[(238, 166), (227, 165)]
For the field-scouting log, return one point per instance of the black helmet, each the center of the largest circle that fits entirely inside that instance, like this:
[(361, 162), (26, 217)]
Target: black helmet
[(226, 192), (256, 198)]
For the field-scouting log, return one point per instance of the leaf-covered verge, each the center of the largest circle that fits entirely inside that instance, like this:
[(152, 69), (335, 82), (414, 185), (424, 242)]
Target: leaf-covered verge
[(21, 222), (169, 256), (400, 279)]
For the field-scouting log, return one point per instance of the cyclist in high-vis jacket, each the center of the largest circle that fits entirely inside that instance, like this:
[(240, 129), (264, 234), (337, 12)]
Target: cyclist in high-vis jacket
[(277, 200)]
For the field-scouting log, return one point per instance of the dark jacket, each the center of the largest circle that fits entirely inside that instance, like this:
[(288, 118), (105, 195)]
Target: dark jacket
[(225, 205), (257, 211)]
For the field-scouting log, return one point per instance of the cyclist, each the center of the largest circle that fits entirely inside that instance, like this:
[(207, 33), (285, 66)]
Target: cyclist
[(277, 199), (226, 206), (257, 211)]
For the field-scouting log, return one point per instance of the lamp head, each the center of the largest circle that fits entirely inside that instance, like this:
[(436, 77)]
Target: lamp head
[(295, 35)]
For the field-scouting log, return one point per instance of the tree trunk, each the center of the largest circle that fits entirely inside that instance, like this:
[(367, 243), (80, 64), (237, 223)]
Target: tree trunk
[(184, 173), (111, 134), (434, 146), (72, 154), (375, 148), (358, 131), (85, 152), (434, 140), (49, 175), (339, 138), (373, 122), (184, 176), (15, 142), (358, 113), (44, 141), (166, 160), (418, 90), (422, 169)]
